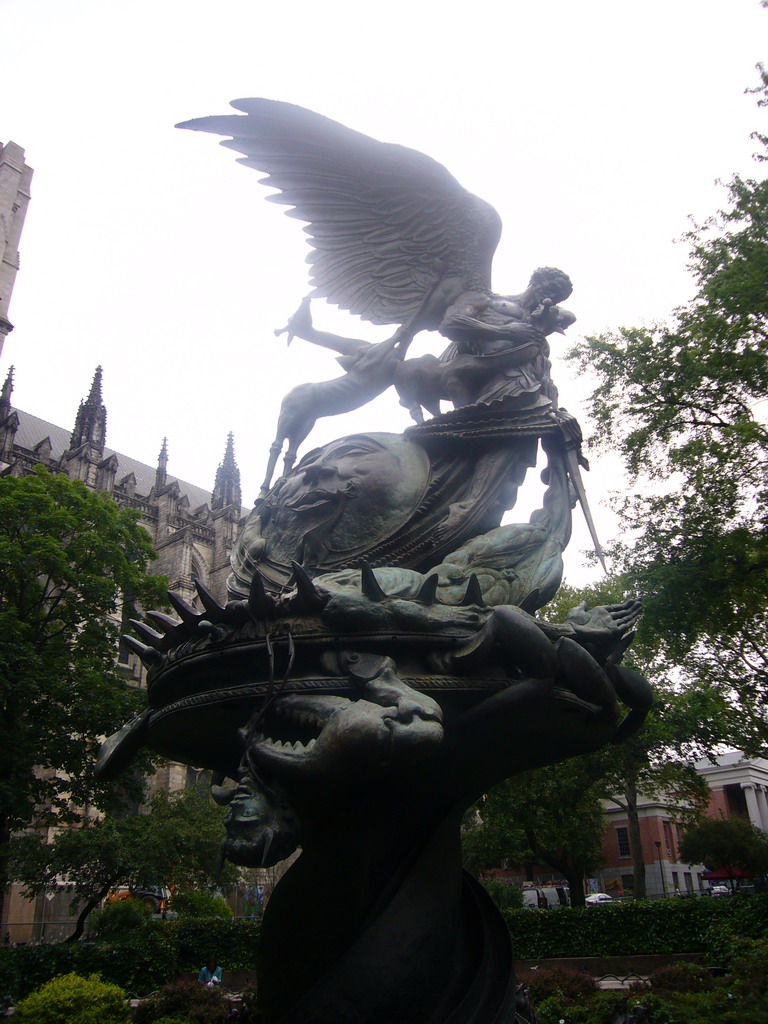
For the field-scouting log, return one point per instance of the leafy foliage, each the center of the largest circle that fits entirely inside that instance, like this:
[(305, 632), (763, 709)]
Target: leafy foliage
[(638, 927), (178, 842), (553, 814), (683, 403), (72, 998), (119, 920), (137, 964), (683, 724), (504, 894), (682, 976), (200, 903), (234, 943), (686, 993), (555, 979), (734, 844), (67, 556), (596, 1010), (680, 993), (185, 1000)]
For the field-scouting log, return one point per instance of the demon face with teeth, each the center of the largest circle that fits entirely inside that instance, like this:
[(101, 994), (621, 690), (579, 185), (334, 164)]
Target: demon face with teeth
[(301, 741)]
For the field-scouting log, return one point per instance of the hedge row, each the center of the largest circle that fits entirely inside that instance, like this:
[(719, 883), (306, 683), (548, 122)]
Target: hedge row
[(637, 927), (139, 965), (620, 929), (234, 942)]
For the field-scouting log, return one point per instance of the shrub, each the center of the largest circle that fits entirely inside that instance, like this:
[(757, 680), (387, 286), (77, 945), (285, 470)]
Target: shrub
[(503, 894), (234, 943), (747, 918), (118, 920), (70, 998), (185, 1000), (571, 984), (138, 966), (200, 903), (749, 967), (639, 926), (681, 977), (689, 1007), (595, 1010), (748, 981)]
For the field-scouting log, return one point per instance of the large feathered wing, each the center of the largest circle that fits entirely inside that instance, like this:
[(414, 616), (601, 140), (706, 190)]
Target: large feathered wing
[(386, 224)]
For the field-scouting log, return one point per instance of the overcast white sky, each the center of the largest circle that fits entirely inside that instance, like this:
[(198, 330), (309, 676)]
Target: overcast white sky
[(594, 127)]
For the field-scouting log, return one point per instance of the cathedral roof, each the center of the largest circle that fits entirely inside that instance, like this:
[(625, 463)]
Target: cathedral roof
[(32, 430)]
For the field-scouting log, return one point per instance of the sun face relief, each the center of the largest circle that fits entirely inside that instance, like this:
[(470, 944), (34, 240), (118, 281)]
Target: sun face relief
[(354, 467), (339, 501)]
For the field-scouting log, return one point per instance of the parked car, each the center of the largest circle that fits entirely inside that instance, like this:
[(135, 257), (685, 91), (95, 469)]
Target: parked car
[(596, 898), (720, 890)]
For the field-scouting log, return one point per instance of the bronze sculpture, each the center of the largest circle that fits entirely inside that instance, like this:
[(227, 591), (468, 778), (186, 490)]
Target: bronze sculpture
[(379, 663)]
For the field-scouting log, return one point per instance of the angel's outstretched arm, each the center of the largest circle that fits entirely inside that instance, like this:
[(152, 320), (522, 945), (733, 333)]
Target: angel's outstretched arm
[(300, 326)]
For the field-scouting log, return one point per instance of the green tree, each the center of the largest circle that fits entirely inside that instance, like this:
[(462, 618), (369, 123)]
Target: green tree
[(684, 404), (67, 555), (653, 764), (552, 815), (733, 844), (685, 723), (176, 843)]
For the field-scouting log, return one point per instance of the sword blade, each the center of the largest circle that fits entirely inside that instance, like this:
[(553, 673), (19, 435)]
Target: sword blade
[(574, 472)]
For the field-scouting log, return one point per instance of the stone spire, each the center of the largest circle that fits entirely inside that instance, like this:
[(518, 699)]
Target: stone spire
[(5, 395), (226, 490), (9, 422), (91, 420), (161, 473)]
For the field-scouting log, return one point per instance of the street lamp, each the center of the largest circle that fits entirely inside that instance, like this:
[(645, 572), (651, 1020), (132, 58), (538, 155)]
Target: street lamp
[(661, 867)]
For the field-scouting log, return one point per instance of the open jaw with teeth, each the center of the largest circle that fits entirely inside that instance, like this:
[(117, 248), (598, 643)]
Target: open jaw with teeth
[(292, 725), (324, 733)]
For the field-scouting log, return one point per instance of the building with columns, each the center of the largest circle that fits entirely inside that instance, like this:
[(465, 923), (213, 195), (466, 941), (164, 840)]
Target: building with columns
[(739, 789), (15, 180)]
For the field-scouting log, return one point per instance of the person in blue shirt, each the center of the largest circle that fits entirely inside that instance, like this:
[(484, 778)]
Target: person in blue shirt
[(210, 974)]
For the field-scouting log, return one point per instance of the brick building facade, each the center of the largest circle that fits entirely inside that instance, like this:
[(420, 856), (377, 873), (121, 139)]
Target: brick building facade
[(738, 788)]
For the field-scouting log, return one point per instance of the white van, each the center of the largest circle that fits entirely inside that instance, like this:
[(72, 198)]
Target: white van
[(547, 896)]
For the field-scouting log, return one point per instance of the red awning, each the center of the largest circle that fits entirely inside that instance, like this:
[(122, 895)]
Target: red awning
[(721, 874)]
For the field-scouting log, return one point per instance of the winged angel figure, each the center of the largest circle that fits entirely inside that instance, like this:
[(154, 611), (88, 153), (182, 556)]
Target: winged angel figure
[(397, 240)]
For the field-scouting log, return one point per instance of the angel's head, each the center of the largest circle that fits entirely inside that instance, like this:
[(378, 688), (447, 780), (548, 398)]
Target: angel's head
[(549, 283)]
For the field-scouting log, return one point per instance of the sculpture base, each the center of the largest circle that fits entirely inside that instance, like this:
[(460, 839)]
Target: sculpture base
[(433, 948)]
